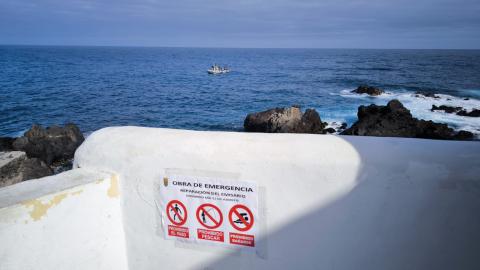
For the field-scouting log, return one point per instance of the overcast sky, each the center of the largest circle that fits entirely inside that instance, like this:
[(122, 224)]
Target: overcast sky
[(243, 23)]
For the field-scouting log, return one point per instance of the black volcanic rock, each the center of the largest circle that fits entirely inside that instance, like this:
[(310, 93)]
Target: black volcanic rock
[(370, 90), (445, 108), (16, 167), (463, 135), (473, 113), (394, 120), (426, 94), (458, 110), (284, 120), (6, 144), (52, 144)]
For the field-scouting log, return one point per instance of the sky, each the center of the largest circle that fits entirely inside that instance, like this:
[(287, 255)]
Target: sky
[(421, 24)]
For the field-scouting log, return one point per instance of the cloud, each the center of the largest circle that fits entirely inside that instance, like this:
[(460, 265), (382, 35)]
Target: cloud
[(248, 23)]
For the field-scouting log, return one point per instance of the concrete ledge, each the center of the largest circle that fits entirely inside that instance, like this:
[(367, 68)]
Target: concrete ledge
[(69, 221), (326, 202), (329, 202), (36, 188)]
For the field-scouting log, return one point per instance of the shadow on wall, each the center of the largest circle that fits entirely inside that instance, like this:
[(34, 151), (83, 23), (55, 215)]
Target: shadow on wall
[(421, 212)]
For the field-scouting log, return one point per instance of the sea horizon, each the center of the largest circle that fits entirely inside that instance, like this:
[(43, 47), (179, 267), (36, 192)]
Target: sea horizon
[(213, 47)]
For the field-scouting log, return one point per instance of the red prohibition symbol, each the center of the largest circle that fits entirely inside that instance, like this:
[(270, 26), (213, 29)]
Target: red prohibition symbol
[(209, 216), (240, 217), (177, 212)]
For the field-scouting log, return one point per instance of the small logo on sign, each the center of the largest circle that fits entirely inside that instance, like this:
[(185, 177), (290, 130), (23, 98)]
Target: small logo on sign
[(165, 181)]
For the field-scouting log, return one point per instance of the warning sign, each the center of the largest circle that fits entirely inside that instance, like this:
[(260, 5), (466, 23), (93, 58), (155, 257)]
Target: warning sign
[(209, 216), (176, 212), (213, 200), (240, 217)]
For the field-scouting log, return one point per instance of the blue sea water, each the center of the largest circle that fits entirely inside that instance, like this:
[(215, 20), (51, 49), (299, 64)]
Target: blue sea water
[(97, 87)]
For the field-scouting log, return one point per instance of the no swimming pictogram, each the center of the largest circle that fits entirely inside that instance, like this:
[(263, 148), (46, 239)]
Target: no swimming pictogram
[(240, 217), (177, 212), (209, 216)]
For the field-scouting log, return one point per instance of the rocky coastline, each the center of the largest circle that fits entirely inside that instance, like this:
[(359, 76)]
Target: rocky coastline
[(391, 120), (38, 153), (394, 120), (42, 151)]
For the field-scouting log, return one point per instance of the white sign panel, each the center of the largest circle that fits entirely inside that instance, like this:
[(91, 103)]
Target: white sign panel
[(210, 210)]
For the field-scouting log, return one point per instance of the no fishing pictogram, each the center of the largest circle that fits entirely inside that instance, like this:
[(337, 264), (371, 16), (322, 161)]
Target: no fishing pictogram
[(209, 216), (240, 217), (177, 212)]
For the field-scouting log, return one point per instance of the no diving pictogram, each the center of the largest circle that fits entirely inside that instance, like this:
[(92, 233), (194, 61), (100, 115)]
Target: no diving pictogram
[(177, 212), (209, 216), (240, 217)]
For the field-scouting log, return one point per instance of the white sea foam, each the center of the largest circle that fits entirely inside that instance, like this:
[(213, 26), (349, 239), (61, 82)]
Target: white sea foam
[(335, 124), (420, 107)]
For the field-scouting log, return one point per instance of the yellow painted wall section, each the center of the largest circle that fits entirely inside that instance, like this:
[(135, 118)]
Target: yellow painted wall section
[(113, 191)]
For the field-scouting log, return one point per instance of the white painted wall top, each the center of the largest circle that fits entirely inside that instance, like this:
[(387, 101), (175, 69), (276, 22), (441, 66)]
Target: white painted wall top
[(325, 202), (329, 202), (70, 221)]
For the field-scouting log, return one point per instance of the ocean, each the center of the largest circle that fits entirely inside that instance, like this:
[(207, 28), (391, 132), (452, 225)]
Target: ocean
[(97, 87)]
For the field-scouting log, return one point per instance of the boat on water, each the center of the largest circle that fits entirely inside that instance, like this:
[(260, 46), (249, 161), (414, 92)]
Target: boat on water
[(216, 69)]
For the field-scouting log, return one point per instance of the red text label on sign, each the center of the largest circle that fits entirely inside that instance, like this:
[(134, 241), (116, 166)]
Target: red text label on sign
[(178, 231), (210, 235), (242, 239)]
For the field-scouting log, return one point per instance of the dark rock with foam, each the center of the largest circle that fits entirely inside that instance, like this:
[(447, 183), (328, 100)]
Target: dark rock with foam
[(458, 110), (369, 90), (427, 94), (472, 113), (445, 108), (285, 120), (394, 120)]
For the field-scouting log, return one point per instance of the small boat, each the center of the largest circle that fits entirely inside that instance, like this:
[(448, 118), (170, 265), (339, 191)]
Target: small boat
[(216, 69)]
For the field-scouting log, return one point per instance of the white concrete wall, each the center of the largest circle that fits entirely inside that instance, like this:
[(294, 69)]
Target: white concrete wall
[(67, 221), (328, 202)]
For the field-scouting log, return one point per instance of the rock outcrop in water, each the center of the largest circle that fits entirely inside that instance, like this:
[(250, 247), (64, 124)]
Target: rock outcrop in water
[(426, 94), (40, 152), (472, 113), (445, 108), (394, 120), (369, 90), (285, 120), (52, 144), (458, 110)]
